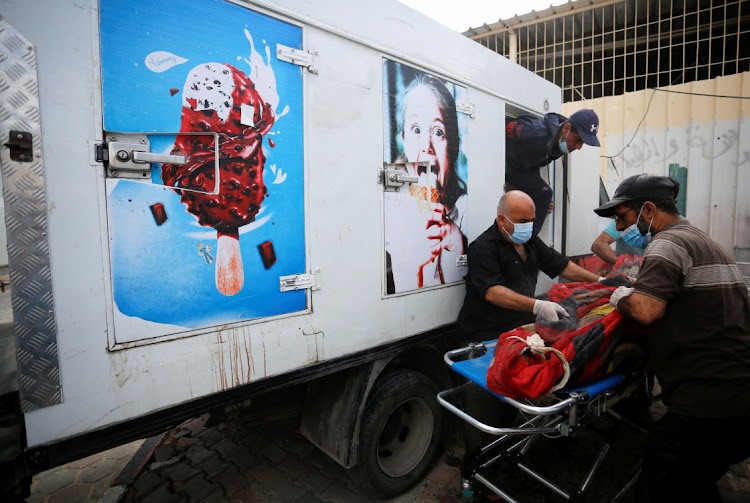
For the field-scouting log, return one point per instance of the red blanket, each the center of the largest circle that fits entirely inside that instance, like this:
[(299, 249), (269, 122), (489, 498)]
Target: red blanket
[(594, 339)]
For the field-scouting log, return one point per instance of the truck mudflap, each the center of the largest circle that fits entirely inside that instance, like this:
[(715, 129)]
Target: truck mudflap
[(26, 222)]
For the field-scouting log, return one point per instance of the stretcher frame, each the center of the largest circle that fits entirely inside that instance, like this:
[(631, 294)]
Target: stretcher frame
[(562, 417)]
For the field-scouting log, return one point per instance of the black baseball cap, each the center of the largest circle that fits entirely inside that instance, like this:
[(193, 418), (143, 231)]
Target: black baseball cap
[(586, 124), (641, 187)]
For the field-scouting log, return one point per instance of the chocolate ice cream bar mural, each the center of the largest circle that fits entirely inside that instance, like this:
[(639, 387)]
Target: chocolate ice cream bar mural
[(202, 92), (220, 98)]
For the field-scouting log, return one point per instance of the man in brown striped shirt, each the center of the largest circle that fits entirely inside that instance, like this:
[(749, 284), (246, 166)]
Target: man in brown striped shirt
[(692, 297)]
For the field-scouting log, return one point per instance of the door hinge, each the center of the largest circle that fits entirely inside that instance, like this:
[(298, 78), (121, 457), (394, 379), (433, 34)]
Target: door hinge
[(297, 57), (300, 281), (465, 108)]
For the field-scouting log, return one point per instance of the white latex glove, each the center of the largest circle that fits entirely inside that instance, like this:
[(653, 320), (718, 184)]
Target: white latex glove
[(549, 311), (602, 278), (617, 295)]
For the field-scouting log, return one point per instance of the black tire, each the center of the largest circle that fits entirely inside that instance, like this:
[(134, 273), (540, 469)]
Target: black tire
[(400, 433)]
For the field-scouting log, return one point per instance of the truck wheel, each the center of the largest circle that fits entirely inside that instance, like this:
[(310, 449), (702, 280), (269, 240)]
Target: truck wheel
[(400, 432)]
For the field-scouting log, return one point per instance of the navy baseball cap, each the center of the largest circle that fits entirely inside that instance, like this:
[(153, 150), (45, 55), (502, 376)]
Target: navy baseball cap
[(641, 187), (586, 123)]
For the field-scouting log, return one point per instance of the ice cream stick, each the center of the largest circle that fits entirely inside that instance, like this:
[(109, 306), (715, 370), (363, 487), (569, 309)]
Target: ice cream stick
[(229, 273)]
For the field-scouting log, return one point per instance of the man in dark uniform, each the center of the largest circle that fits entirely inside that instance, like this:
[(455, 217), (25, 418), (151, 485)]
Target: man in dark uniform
[(504, 262), (692, 297), (533, 142)]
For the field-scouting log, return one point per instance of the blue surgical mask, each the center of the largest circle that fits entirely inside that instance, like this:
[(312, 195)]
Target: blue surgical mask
[(634, 236), (563, 145), (521, 232)]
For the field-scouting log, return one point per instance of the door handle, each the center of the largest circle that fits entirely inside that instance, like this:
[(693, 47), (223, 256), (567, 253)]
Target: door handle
[(128, 155), (399, 178), (143, 157)]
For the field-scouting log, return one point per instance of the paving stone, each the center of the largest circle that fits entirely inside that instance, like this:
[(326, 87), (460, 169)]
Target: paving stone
[(125, 451), (164, 495), (70, 494), (267, 475), (299, 445), (316, 480), (327, 465), (186, 442), (163, 452), (256, 439), (113, 495), (294, 467), (97, 471), (274, 454), (160, 464), (218, 497), (243, 458), (232, 481), (225, 447), (84, 462), (36, 498), (210, 436), (197, 488), (146, 482), (180, 472), (338, 494), (196, 425), (286, 491), (213, 466), (197, 453), (307, 497), (252, 494), (99, 488), (53, 480)]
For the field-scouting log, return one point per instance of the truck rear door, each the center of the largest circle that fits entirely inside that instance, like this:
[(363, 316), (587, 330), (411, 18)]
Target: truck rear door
[(205, 183)]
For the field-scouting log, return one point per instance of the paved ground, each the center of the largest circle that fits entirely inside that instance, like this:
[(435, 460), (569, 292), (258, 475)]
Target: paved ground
[(256, 455), (87, 479)]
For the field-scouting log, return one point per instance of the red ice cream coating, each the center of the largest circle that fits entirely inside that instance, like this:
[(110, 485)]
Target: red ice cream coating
[(241, 159)]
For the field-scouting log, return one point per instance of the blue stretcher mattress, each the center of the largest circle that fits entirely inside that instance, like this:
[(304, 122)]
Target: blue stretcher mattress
[(475, 370)]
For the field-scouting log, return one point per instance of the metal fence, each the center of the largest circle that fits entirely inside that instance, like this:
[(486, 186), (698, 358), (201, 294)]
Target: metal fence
[(601, 48)]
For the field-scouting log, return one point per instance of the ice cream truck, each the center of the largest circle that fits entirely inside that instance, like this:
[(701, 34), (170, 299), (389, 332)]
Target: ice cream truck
[(207, 200)]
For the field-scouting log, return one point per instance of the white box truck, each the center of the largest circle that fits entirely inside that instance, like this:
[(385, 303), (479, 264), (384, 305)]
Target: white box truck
[(210, 199)]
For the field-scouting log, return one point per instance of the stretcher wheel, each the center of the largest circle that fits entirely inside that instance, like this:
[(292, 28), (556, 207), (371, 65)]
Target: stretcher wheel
[(400, 432)]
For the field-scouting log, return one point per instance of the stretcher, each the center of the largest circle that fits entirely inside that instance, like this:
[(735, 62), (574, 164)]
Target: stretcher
[(558, 414)]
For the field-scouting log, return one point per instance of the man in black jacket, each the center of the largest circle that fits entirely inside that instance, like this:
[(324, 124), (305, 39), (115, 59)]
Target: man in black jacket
[(533, 142)]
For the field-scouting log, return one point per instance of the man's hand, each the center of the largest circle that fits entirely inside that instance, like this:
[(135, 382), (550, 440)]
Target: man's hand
[(549, 311), (617, 295)]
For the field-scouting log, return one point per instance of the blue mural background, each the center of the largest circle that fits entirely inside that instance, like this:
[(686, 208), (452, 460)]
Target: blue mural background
[(159, 273)]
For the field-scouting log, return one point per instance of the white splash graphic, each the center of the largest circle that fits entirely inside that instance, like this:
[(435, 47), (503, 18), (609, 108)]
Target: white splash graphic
[(280, 175), (262, 74), (161, 61)]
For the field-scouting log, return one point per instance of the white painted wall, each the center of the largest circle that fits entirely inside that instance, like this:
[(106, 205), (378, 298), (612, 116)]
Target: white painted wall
[(708, 135)]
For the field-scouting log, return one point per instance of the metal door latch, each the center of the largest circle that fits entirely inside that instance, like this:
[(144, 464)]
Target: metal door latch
[(394, 176), (129, 156), (21, 146)]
